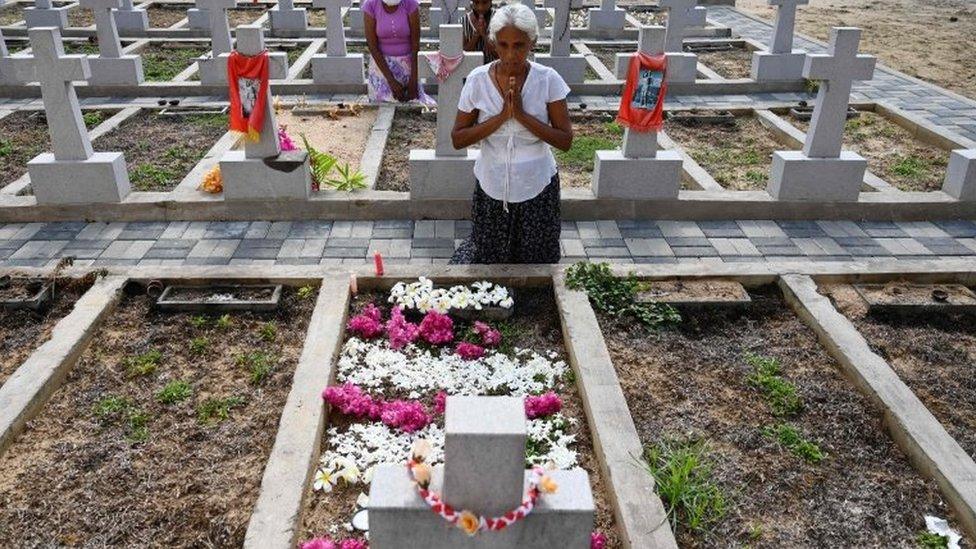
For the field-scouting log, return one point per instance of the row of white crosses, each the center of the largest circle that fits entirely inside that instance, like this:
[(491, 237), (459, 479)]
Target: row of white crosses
[(337, 66), (682, 67)]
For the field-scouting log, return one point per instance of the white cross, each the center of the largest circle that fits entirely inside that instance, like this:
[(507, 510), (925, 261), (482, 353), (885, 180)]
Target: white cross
[(250, 42), (560, 45), (55, 72), (449, 11), (220, 41), (335, 34), (785, 23), (650, 41), (105, 27), (449, 91), (837, 70), (681, 15), (3, 46)]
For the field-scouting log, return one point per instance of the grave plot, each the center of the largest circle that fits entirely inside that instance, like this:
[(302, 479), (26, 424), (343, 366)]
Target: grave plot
[(160, 149), (411, 129), (11, 14), (317, 18), (648, 15), (245, 15), (893, 154), (735, 149), (931, 350), (730, 60), (340, 133), (80, 17), (607, 53), (24, 329), (591, 133), (406, 384), (161, 61), (163, 16), (26, 136), (87, 47), (751, 431), (159, 435), (292, 48)]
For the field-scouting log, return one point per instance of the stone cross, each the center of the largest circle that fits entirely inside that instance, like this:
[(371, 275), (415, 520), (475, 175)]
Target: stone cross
[(449, 91), (836, 70), (448, 12), (220, 40), (335, 34), (3, 45), (650, 41), (560, 45), (250, 42), (105, 27), (785, 23), (55, 72), (681, 15)]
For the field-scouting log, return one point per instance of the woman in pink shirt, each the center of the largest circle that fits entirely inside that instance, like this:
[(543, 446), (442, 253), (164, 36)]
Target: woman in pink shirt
[(393, 35)]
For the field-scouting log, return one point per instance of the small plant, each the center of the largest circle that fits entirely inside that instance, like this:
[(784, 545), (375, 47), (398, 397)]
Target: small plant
[(613, 128), (306, 292), (223, 322), (258, 363), (6, 147), (110, 406), (178, 152), (215, 410), (321, 163), (174, 391), (348, 180), (92, 118), (780, 393), (616, 296), (910, 166), (113, 408), (757, 177), (199, 345), (144, 364), (683, 479), (812, 86), (269, 331), (789, 437), (199, 321), (147, 176), (580, 155), (138, 425), (928, 540)]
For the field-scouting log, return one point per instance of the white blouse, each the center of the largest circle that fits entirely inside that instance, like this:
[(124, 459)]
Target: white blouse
[(514, 165)]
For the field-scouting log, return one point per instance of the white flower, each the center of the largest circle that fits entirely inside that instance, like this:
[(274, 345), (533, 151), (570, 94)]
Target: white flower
[(506, 303), (324, 481), (423, 304), (442, 305)]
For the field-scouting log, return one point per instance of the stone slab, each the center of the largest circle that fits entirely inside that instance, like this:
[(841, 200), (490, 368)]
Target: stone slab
[(960, 181), (103, 178), (797, 177), (212, 70), (615, 176), (46, 17), (125, 70), (285, 177), (199, 19), (777, 66), (441, 177), (572, 68), (682, 68), (136, 19), (607, 20), (348, 69), (293, 20)]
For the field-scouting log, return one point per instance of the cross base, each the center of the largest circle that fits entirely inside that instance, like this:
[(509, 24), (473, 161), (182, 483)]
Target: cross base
[(286, 176), (437, 17), (960, 181), (356, 23), (574, 4), (46, 17), (212, 70), (616, 176), (777, 66), (441, 177), (288, 21), (571, 67), (342, 70), (682, 68), (795, 176), (607, 20), (398, 517), (199, 19), (107, 71), (135, 19), (102, 178)]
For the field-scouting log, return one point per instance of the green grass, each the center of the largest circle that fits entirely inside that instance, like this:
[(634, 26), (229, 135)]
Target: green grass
[(92, 118), (110, 406), (179, 152), (174, 391), (910, 166), (614, 128), (147, 177), (258, 363), (199, 321), (780, 394), (616, 296), (6, 147), (583, 151), (144, 364), (757, 177), (199, 345), (268, 331), (928, 540), (306, 292), (215, 410), (113, 409), (165, 64), (682, 472), (789, 437), (223, 322)]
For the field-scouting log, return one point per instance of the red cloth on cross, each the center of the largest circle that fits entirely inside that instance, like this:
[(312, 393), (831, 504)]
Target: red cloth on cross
[(252, 68), (642, 103)]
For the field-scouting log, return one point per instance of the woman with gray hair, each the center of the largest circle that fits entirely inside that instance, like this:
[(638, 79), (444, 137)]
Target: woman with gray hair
[(516, 110)]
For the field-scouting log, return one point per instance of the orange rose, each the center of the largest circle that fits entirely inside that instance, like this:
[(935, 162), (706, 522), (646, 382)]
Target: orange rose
[(421, 474), (547, 485), (469, 523)]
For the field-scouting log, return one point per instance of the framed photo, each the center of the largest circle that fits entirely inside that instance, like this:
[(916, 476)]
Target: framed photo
[(648, 89)]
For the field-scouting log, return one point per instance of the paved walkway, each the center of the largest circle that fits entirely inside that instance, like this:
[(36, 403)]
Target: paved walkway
[(425, 242)]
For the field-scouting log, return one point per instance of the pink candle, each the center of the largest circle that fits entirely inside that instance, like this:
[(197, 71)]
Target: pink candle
[(353, 285), (378, 260)]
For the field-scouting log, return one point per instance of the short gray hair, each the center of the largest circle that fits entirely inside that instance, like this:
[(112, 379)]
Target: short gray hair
[(514, 14)]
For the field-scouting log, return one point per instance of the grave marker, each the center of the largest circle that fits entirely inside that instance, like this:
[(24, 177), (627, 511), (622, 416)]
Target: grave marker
[(781, 62), (540, 15), (337, 66), (445, 172), (608, 17), (44, 14), (5, 78), (111, 67), (74, 173), (682, 67), (199, 15), (213, 66), (445, 12), (128, 18), (483, 472), (572, 67), (822, 171), (288, 20), (640, 170), (960, 181), (262, 171)]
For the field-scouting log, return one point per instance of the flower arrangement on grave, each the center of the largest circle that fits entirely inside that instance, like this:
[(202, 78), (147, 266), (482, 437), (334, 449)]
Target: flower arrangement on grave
[(422, 297), (284, 140), (212, 182)]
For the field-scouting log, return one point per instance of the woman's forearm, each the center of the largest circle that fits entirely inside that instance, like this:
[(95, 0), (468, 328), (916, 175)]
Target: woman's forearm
[(466, 137), (561, 139)]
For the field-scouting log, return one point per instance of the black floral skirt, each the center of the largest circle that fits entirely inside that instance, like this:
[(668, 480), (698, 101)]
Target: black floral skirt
[(527, 233)]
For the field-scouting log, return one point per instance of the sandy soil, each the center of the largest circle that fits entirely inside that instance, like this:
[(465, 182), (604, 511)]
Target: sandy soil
[(412, 129), (920, 39), (731, 64), (692, 382), (11, 14), (344, 138), (163, 17), (244, 15), (80, 17), (81, 474)]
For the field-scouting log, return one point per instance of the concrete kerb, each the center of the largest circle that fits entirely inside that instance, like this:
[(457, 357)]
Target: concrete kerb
[(639, 513), (604, 72), (913, 427), (372, 157), (189, 184), (33, 383), (691, 171), (305, 59), (276, 519)]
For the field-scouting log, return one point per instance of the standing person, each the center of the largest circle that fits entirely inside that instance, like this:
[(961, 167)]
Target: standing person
[(393, 36), (476, 29), (515, 109)]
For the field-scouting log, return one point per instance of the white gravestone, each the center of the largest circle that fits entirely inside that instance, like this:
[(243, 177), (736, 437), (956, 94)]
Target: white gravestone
[(130, 18), (199, 15), (213, 66), (337, 66), (445, 12), (640, 170), (682, 67), (822, 171), (357, 24), (287, 20), (44, 14), (483, 472), (540, 15), (6, 76), (608, 17), (781, 62), (73, 173), (572, 67), (445, 172), (960, 181), (111, 67), (262, 171)]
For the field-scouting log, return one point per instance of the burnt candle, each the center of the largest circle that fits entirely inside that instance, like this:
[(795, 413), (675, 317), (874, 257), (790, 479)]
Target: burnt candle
[(378, 260)]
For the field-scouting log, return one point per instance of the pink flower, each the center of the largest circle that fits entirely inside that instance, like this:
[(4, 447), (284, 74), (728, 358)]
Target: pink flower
[(350, 400), (367, 324), (542, 405), (437, 329), (284, 140), (469, 351), (408, 416), (598, 540), (320, 543), (353, 544), (440, 403), (490, 337), (399, 331)]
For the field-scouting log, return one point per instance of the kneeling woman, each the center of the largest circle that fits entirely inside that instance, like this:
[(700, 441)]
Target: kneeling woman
[(516, 109)]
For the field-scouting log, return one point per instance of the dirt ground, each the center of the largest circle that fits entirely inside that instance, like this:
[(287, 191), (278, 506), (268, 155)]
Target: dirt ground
[(11, 14), (922, 39), (731, 64), (536, 320), (892, 153), (608, 55), (932, 353), (80, 17), (161, 150), (22, 331), (107, 463), (344, 138), (244, 15), (163, 17), (692, 382), (412, 129), (738, 156), (162, 63)]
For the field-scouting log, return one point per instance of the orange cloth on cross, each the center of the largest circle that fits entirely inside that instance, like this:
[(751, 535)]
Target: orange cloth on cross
[(251, 68), (642, 103)]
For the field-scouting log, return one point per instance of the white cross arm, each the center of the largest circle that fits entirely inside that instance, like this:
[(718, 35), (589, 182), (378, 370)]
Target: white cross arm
[(217, 4), (326, 3), (20, 69), (788, 3), (74, 67), (822, 66), (101, 4)]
